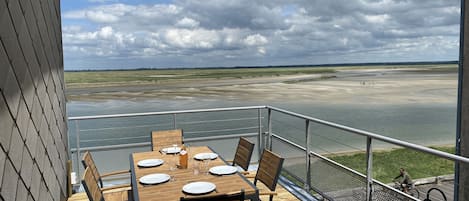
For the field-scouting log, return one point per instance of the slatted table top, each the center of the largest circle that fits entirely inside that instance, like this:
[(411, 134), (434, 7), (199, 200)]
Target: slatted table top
[(172, 190)]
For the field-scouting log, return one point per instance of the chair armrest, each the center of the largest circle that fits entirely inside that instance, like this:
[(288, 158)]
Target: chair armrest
[(115, 173), (268, 193), (120, 187)]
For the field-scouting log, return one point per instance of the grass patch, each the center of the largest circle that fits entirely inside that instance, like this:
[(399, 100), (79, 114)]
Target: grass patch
[(386, 164), (136, 77), (152, 76)]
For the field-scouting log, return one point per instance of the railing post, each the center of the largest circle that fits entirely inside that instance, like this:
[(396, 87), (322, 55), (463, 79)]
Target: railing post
[(260, 136), (77, 133), (308, 158), (269, 124), (174, 121), (369, 169)]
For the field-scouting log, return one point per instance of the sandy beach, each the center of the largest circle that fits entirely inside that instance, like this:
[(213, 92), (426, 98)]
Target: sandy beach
[(412, 104), (351, 86)]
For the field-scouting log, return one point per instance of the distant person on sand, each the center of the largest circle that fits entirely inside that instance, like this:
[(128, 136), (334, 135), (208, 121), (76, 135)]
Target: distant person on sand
[(404, 180)]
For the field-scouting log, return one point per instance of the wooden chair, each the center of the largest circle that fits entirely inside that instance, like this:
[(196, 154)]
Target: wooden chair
[(94, 192), (73, 196), (88, 162), (243, 153), (161, 139), (239, 196), (268, 172)]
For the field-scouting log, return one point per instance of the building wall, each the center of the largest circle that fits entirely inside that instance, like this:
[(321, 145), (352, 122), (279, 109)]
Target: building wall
[(33, 129), (463, 118)]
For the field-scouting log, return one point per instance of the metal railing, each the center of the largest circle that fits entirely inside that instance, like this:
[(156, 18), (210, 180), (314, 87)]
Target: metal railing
[(265, 137)]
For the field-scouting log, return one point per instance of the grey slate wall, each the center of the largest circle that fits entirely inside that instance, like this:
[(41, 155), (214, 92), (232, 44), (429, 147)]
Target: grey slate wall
[(33, 129)]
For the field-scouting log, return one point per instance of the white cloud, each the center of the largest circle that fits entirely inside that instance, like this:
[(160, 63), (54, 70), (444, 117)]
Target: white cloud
[(105, 32), (377, 19), (199, 38), (101, 17), (261, 50), (280, 31), (255, 40), (187, 23), (71, 28)]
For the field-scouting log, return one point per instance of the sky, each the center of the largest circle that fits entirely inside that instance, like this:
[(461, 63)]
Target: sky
[(114, 34)]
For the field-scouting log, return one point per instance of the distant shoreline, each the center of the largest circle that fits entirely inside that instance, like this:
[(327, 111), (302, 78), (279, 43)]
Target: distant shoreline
[(274, 66)]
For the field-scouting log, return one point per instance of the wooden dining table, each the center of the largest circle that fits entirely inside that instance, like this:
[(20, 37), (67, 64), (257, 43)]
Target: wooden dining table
[(172, 189)]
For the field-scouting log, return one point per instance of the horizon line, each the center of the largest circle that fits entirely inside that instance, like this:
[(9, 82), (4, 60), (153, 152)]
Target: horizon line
[(274, 66)]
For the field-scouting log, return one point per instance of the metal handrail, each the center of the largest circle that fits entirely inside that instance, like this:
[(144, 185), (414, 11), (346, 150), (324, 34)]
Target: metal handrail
[(377, 136), (265, 138), (316, 120), (165, 113), (147, 144), (311, 153)]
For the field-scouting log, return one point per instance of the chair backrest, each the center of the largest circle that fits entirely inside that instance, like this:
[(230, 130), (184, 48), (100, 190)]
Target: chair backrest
[(69, 178), (243, 153), (89, 163), (160, 139), (269, 169), (92, 189), (217, 197)]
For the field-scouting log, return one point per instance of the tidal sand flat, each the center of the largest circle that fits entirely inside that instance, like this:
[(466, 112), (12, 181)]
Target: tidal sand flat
[(341, 85)]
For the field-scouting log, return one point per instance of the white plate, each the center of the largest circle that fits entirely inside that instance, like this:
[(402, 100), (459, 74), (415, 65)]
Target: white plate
[(203, 156), (171, 150), (154, 178), (223, 170), (150, 162), (199, 187)]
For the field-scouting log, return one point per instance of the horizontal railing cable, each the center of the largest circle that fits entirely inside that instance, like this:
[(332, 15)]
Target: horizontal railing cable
[(110, 139), (316, 135), (292, 127), (145, 144), (124, 127), (165, 113), (221, 137), (247, 129), (112, 147), (378, 137), (323, 122), (336, 164), (215, 121), (221, 130)]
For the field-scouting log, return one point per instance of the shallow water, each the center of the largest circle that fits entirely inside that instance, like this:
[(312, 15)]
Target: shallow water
[(426, 124)]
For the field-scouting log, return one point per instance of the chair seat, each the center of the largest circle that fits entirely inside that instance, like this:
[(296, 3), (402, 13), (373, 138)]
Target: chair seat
[(78, 197), (112, 195), (106, 190)]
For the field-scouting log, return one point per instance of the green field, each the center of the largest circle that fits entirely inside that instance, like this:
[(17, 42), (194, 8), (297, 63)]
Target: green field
[(386, 164), (136, 77), (152, 76)]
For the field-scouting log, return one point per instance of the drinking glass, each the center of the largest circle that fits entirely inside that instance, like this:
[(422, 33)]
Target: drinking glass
[(173, 166), (206, 164)]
